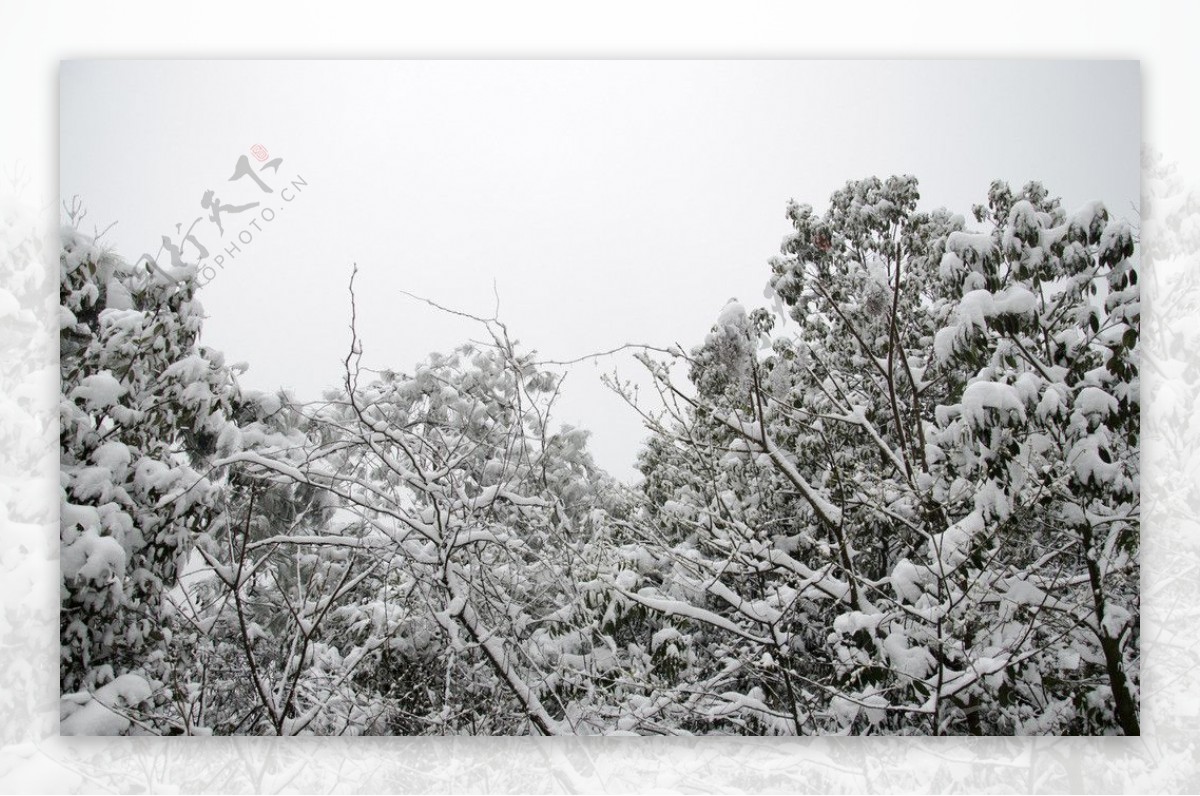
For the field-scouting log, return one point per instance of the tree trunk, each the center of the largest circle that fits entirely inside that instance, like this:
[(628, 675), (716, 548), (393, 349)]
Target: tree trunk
[(1124, 703)]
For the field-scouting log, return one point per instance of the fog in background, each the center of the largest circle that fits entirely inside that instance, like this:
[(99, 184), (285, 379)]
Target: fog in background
[(607, 202)]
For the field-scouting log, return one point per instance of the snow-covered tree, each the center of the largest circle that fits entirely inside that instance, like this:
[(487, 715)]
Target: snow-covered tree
[(918, 511), (143, 407), (480, 522)]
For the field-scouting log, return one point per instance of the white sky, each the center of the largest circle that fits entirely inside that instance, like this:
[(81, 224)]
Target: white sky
[(610, 201)]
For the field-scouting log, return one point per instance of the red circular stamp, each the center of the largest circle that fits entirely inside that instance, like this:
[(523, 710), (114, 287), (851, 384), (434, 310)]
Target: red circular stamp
[(259, 151)]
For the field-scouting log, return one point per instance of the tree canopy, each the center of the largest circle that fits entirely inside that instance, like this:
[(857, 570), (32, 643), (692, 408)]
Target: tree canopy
[(902, 498)]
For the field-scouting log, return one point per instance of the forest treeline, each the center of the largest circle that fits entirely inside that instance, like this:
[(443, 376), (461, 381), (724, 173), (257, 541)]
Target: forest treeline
[(903, 499)]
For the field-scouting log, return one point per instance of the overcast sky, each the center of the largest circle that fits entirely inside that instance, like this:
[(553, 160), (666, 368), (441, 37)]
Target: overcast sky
[(609, 201)]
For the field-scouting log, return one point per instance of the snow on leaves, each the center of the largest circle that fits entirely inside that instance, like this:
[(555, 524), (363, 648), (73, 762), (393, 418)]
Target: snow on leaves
[(967, 402), (133, 432)]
